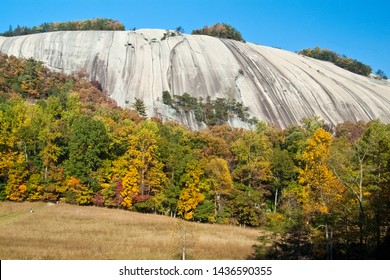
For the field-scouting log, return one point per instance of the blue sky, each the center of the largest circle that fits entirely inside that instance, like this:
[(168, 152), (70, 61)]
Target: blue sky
[(358, 29)]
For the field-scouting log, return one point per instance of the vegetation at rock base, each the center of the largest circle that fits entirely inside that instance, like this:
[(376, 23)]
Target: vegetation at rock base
[(323, 190), (89, 24), (220, 30), (211, 112), (342, 61)]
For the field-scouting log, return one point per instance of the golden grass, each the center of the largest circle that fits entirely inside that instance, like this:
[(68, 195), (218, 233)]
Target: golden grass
[(65, 231)]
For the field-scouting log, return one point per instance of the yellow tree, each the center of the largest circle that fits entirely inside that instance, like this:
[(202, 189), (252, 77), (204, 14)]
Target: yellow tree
[(130, 187), (191, 195), (144, 175), (323, 189), (15, 188), (77, 192), (49, 134), (220, 180), (34, 188)]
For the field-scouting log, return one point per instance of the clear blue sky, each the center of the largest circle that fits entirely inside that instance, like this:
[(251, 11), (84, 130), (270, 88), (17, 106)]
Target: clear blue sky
[(358, 29)]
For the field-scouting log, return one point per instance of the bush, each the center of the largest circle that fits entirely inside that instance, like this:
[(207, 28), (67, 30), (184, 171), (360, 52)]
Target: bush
[(220, 30), (167, 98), (169, 33), (381, 75)]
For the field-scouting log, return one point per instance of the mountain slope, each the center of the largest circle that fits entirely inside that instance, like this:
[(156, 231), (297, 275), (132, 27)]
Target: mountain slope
[(278, 86)]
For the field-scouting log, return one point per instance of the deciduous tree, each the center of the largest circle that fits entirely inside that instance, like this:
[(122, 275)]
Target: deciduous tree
[(324, 190), (191, 194)]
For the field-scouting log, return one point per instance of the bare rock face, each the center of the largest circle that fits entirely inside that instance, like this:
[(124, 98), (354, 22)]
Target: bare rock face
[(278, 86)]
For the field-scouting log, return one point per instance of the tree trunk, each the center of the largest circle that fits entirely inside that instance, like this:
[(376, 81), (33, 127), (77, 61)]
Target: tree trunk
[(25, 152), (183, 253), (331, 243), (217, 204), (46, 173), (276, 199), (361, 208), (328, 242)]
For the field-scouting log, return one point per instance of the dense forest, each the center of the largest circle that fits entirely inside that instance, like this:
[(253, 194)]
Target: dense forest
[(324, 191), (90, 24)]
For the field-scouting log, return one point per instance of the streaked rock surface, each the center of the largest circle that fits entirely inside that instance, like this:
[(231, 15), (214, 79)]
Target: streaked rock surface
[(278, 86)]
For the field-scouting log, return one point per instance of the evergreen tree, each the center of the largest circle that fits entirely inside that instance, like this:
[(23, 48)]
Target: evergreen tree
[(140, 108)]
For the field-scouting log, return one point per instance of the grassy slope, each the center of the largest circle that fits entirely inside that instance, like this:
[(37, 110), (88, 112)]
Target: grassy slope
[(65, 231)]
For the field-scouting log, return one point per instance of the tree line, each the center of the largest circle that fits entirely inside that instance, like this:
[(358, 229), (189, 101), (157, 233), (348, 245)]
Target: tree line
[(342, 61), (324, 191), (89, 24)]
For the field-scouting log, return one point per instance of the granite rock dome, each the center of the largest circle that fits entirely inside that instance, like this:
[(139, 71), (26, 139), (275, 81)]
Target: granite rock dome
[(278, 86)]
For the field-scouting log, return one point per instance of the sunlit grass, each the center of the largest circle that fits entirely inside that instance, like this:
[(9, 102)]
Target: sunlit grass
[(65, 231)]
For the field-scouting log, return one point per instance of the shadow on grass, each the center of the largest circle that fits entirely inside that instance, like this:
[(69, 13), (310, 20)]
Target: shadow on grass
[(295, 244), (299, 244)]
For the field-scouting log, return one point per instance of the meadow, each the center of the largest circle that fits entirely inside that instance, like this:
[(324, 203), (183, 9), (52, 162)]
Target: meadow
[(69, 232)]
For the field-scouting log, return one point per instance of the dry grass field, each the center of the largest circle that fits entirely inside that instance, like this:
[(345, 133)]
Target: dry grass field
[(62, 231)]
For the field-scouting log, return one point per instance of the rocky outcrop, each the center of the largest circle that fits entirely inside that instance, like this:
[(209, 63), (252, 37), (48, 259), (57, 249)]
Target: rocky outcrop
[(278, 86)]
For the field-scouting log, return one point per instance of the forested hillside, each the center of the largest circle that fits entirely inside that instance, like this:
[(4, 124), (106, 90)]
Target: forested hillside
[(324, 190)]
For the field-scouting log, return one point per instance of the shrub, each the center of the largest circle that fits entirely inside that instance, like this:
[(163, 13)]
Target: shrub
[(220, 30)]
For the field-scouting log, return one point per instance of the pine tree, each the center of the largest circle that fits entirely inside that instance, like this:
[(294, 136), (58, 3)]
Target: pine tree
[(140, 108)]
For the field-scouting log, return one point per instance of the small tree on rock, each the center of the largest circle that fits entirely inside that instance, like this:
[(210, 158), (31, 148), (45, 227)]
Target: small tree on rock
[(140, 108)]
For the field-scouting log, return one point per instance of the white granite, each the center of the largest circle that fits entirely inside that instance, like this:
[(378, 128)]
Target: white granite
[(278, 86)]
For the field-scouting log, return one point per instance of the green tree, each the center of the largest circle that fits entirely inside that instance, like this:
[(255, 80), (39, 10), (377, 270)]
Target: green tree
[(140, 108), (87, 148), (252, 159), (283, 170), (244, 206), (167, 98), (380, 74), (360, 159), (179, 30)]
